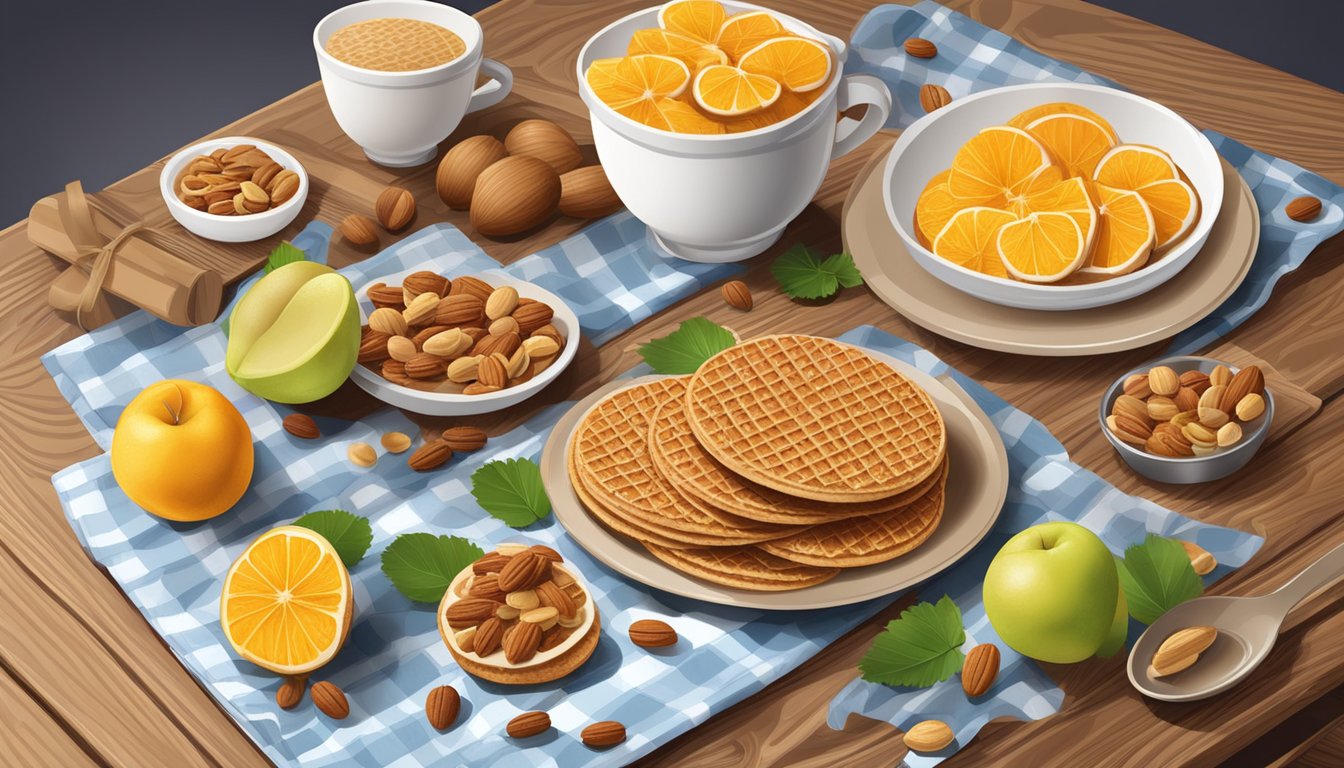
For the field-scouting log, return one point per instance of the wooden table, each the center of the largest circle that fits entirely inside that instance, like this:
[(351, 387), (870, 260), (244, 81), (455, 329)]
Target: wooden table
[(86, 681)]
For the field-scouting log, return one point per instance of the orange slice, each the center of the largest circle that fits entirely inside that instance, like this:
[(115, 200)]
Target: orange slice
[(996, 165), (744, 31), (1023, 119), (1077, 143), (729, 91), (1068, 196), (672, 115), (1175, 208), (692, 52), (800, 63), (788, 105), (287, 604), (700, 19), (935, 207), (970, 239), (1130, 166), (1042, 248), (1125, 232), (622, 82)]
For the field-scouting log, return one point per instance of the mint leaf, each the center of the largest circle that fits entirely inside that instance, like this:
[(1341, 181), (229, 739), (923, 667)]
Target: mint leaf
[(511, 491), (842, 266), (350, 534), (920, 648), (284, 253), (1157, 576), (683, 350), (422, 565), (801, 275)]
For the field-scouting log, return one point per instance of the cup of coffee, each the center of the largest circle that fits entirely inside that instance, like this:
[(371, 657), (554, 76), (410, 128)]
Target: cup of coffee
[(400, 74)]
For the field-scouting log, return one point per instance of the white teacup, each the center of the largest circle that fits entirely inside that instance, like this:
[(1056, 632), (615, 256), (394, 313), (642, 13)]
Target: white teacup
[(726, 197), (399, 118)]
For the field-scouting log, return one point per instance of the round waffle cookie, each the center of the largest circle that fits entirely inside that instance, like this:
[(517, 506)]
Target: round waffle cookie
[(635, 530), (815, 418), (681, 459), (743, 568), (865, 540), (610, 453)]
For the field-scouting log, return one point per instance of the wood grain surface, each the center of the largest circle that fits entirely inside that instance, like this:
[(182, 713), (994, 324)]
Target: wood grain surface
[(85, 680)]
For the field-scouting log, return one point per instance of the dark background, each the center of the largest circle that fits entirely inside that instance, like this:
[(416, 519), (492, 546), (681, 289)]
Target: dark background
[(95, 90)]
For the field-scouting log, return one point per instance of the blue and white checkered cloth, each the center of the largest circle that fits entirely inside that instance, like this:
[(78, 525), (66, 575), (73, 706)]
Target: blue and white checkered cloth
[(972, 57)]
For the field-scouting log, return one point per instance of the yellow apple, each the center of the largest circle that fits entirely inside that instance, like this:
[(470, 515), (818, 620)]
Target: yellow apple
[(182, 451)]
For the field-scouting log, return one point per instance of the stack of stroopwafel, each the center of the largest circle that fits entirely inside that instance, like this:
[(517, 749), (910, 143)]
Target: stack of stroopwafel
[(779, 462)]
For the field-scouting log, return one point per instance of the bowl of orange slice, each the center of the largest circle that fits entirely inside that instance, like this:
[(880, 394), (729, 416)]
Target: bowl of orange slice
[(1053, 196)]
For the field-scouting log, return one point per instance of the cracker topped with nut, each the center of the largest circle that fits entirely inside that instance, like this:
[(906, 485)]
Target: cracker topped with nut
[(519, 615)]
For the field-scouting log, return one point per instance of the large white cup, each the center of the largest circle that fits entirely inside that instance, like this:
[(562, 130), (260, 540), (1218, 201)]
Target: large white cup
[(726, 197), (399, 118)]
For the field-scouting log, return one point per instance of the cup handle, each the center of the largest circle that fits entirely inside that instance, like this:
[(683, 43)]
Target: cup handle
[(493, 92), (854, 90)]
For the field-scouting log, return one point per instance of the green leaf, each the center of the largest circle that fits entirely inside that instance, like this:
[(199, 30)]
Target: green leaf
[(1157, 576), (842, 266), (919, 649), (284, 253), (422, 565), (511, 491), (683, 350), (350, 534), (802, 275)]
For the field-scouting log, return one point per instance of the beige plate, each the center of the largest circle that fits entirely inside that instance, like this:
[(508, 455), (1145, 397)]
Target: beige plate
[(977, 486), (1163, 312)]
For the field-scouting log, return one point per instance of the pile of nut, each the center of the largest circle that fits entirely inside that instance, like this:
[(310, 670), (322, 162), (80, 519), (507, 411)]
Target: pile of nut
[(236, 181), (518, 599), (458, 336), (1190, 414)]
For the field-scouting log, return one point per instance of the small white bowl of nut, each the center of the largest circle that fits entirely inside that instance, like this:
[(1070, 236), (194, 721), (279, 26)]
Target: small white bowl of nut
[(234, 189), (1187, 419), (460, 345)]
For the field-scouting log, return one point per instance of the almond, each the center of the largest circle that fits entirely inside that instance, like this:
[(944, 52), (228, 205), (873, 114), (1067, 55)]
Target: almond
[(1229, 434), (361, 455), (1221, 375), (1162, 380), (373, 346), (933, 97), (447, 344), (469, 612), (422, 309), (1131, 432), (586, 193), (290, 692), (1136, 385), (545, 141), (489, 635), (429, 456), (1250, 407), (330, 700), (737, 295), (471, 286), (652, 633), (396, 442), (501, 302), (518, 364), (533, 317), (492, 562), (423, 281), (358, 230), (505, 344), (524, 571), (395, 208), (503, 325), (544, 615), (388, 320), (549, 331), (423, 366), (521, 642), (553, 596), (458, 310), (980, 669), (528, 724), (1211, 417), (523, 599), (464, 438), (1161, 408), (302, 426), (1181, 649), (540, 346), (1248, 380), (1304, 208), (462, 165), (383, 295), (1198, 433), (547, 552), (486, 586), (928, 736), (463, 369), (607, 733), (401, 349), (1196, 380), (442, 706), (921, 48), (394, 371), (1133, 407), (1186, 399), (1200, 558), (514, 195), (491, 373)]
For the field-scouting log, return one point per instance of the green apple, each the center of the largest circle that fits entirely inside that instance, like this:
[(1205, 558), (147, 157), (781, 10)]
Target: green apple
[(294, 336), (1119, 631), (1050, 592)]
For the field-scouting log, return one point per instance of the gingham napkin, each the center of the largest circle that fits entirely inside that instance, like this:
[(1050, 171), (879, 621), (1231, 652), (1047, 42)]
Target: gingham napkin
[(972, 57)]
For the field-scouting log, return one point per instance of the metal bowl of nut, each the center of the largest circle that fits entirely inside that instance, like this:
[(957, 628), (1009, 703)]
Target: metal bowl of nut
[(234, 189), (1187, 419), (460, 345)]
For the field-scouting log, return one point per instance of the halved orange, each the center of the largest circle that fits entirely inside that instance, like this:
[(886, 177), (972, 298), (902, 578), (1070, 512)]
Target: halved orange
[(1125, 231), (672, 115), (622, 82), (1069, 196), (996, 165), (694, 53), (1042, 248), (936, 206), (1077, 143), (729, 91), (1023, 119), (788, 105), (800, 63), (700, 19), (743, 31), (1130, 166), (970, 239), (1175, 208), (287, 604)]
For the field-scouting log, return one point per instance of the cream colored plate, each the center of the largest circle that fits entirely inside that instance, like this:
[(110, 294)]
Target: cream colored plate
[(976, 488), (897, 279)]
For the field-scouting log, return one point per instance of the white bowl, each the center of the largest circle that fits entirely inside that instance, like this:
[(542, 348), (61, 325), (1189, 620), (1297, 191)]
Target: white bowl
[(232, 229), (927, 147), (449, 404)]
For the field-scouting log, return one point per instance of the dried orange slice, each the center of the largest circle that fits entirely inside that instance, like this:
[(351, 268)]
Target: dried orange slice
[(1175, 208), (622, 82), (1068, 196), (729, 91), (788, 105), (694, 53), (1042, 248), (673, 115), (997, 165), (1125, 232), (1077, 143), (287, 604), (1023, 119), (744, 31), (935, 207), (970, 239), (800, 63), (1130, 166), (700, 19)]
